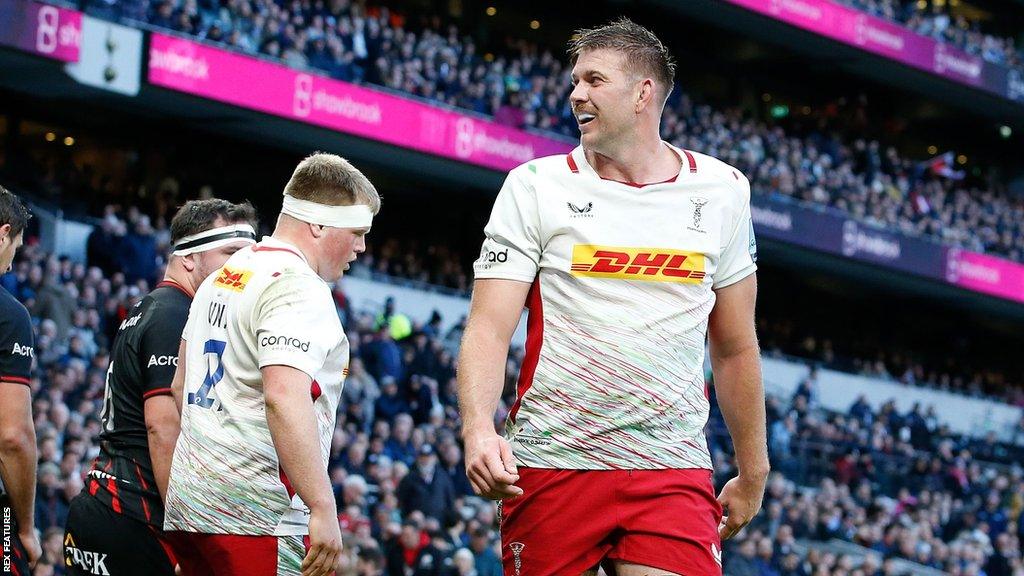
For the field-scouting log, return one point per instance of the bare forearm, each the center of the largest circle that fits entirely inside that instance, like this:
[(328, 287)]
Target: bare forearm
[(178, 382), (161, 452), (18, 468), (162, 428), (481, 377), (740, 394), (177, 392), (292, 424)]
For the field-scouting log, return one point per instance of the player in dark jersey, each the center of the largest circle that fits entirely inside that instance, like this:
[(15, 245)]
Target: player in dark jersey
[(17, 434), (114, 525)]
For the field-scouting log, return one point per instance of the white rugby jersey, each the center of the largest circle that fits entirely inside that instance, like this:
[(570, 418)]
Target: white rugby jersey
[(623, 282), (266, 306)]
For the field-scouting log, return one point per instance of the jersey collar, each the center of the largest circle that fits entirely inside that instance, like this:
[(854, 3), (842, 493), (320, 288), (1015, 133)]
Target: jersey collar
[(167, 282), (271, 244), (578, 163)]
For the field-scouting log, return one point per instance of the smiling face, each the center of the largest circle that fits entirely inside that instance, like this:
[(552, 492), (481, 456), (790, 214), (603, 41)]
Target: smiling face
[(604, 100)]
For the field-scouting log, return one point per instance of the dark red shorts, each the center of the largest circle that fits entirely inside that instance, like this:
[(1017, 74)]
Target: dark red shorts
[(567, 521), (231, 555)]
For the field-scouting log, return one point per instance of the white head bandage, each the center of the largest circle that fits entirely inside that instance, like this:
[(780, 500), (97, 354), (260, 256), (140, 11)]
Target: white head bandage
[(355, 216), (214, 238)]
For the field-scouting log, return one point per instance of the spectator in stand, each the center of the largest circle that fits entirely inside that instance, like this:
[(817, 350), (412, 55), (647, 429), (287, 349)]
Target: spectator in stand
[(808, 389), (361, 393), (370, 562), (427, 488), (140, 252), (56, 302), (103, 247), (464, 563), (383, 356), (743, 563), (451, 463), (389, 404), (486, 560), (402, 550), (400, 447), (436, 558)]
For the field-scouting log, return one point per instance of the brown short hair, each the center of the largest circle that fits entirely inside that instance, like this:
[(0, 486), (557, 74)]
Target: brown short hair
[(643, 50), (13, 212), (199, 215), (331, 180)]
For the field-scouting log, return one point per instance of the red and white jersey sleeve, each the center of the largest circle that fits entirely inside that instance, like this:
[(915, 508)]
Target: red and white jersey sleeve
[(512, 248), (265, 307), (739, 254), (290, 310), (624, 279)]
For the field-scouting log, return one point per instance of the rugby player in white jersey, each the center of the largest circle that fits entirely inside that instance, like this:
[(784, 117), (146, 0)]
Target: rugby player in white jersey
[(628, 253), (114, 525), (259, 380)]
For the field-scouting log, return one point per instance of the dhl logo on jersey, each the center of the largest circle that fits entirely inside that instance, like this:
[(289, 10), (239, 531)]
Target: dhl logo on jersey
[(232, 280), (645, 264)]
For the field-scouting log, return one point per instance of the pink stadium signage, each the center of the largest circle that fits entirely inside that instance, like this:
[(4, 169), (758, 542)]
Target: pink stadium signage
[(49, 31), (255, 84), (985, 274), (890, 40), (834, 233)]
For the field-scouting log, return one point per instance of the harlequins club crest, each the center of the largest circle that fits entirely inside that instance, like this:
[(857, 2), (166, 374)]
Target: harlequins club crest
[(698, 203), (517, 556)]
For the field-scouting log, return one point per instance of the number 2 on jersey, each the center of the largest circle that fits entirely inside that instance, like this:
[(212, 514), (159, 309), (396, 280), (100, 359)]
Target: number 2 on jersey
[(214, 351)]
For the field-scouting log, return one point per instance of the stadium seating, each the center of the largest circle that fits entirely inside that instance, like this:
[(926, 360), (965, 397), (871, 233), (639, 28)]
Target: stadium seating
[(855, 490), (937, 20), (526, 86), (865, 492)]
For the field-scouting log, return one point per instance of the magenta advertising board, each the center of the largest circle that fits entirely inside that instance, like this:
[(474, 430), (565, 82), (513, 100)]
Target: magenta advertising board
[(890, 40), (244, 81), (49, 31), (985, 274)]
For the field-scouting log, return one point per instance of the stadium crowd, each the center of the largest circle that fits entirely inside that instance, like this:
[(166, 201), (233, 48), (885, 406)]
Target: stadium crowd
[(405, 504), (526, 86), (940, 21), (136, 243), (841, 348), (898, 485), (857, 350), (871, 182)]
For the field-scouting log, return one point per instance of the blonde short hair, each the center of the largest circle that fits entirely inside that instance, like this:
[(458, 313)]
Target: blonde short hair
[(331, 180), (644, 52)]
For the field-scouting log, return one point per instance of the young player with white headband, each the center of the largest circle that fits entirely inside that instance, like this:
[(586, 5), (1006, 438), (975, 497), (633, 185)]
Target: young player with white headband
[(115, 525), (261, 369)]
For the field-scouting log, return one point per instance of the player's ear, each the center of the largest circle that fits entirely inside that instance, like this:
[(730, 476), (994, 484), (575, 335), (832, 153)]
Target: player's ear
[(645, 95), (5, 232), (317, 230), (189, 262)]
